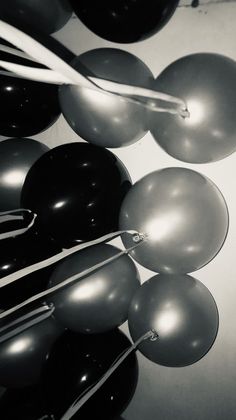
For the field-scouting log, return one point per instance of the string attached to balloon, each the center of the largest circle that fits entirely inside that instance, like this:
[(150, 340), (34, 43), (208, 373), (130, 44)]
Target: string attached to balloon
[(63, 73), (20, 324), (7, 216), (49, 76), (5, 281), (138, 239), (14, 51), (151, 335)]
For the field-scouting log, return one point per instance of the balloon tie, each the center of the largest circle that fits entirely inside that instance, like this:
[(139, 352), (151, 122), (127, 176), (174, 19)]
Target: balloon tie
[(7, 216), (62, 73), (185, 113), (139, 237), (154, 336), (82, 399), (30, 269)]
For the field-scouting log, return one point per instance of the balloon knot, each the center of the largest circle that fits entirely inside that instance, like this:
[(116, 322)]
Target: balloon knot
[(139, 237), (184, 113), (154, 335)]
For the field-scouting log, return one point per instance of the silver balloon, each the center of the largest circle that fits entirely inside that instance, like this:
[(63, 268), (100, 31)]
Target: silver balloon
[(100, 301), (101, 119), (207, 83), (16, 158), (183, 313), (184, 216)]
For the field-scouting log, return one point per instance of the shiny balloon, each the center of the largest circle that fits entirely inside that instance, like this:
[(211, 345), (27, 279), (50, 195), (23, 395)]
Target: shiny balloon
[(47, 16), (22, 357), (76, 190), (27, 107), (16, 158), (100, 118), (77, 362), (26, 403), (183, 313), (18, 253), (207, 83), (183, 215), (100, 301), (124, 21)]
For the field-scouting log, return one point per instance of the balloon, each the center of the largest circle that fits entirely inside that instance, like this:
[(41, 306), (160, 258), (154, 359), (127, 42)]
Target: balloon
[(100, 118), (184, 216), (77, 362), (183, 313), (76, 190), (126, 20), (26, 403), (16, 158), (100, 301), (20, 252), (23, 356), (207, 83), (27, 107), (47, 16)]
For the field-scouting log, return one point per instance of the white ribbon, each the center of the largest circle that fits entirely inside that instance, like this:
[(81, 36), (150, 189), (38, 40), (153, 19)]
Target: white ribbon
[(6, 216), (61, 73), (138, 239)]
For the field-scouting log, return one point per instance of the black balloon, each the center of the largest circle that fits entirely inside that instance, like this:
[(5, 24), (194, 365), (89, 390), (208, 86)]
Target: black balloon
[(77, 361), (27, 107), (76, 190), (16, 158), (26, 403), (47, 16), (19, 252), (124, 20), (22, 356)]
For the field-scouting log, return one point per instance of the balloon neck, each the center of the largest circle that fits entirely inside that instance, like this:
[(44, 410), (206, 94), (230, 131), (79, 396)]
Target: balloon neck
[(153, 335), (184, 113), (139, 237)]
